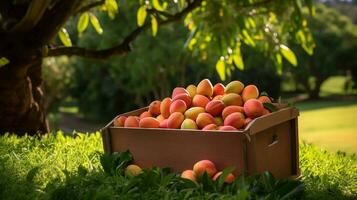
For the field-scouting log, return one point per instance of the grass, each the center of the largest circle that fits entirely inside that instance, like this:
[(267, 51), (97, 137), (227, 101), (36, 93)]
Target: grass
[(63, 167), (329, 124)]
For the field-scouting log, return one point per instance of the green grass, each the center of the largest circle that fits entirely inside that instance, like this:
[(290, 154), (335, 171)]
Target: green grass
[(58, 167), (329, 124)]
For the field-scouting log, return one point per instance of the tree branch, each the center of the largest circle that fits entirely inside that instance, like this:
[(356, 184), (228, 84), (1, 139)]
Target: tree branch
[(90, 6), (256, 4), (52, 21), (124, 47), (33, 15)]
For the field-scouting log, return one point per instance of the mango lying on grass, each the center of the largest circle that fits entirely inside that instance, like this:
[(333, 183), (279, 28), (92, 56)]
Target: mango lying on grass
[(205, 107), (205, 166)]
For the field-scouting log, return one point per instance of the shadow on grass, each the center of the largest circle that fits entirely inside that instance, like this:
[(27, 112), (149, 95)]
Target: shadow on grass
[(327, 103)]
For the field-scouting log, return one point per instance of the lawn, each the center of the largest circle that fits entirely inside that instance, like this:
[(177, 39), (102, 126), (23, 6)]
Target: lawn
[(330, 124), (58, 167)]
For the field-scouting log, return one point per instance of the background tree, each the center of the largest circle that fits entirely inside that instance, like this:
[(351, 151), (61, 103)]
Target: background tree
[(29, 27), (336, 41)]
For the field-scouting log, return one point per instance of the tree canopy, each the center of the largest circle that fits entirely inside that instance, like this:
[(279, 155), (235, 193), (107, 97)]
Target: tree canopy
[(217, 28)]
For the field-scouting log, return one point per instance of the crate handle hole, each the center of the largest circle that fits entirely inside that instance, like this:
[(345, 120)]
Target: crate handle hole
[(274, 140)]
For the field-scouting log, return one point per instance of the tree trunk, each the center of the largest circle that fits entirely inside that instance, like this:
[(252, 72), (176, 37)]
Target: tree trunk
[(315, 92), (21, 98)]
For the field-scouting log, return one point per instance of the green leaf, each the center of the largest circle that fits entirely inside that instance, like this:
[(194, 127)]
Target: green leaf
[(95, 23), (237, 58), (82, 23), (116, 162), (154, 25), (224, 175), (221, 69), (112, 8), (271, 107), (157, 5), (64, 37), (32, 173), (141, 15), (247, 39), (4, 61), (310, 4), (288, 54), (268, 180)]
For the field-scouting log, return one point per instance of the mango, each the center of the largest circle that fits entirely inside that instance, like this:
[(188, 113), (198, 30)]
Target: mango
[(218, 89), (266, 111), (184, 97), (210, 127), (250, 92), (235, 119), (119, 121), (203, 119), (160, 118), (204, 166), (215, 107), (234, 87), (175, 120), (199, 101), (227, 128), (149, 122), (247, 121), (229, 178), (179, 90), (189, 124), (163, 124), (219, 121), (165, 107), (231, 109), (191, 89), (189, 174), (145, 114), (253, 108), (132, 121), (154, 108), (178, 106), (133, 170), (232, 99), (218, 97), (264, 99), (205, 88), (193, 112)]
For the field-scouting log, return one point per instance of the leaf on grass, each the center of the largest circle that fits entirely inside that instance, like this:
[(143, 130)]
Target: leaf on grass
[(82, 171), (64, 37), (95, 23), (116, 162), (154, 25), (221, 69), (82, 23), (32, 173), (141, 15), (288, 54), (269, 181)]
